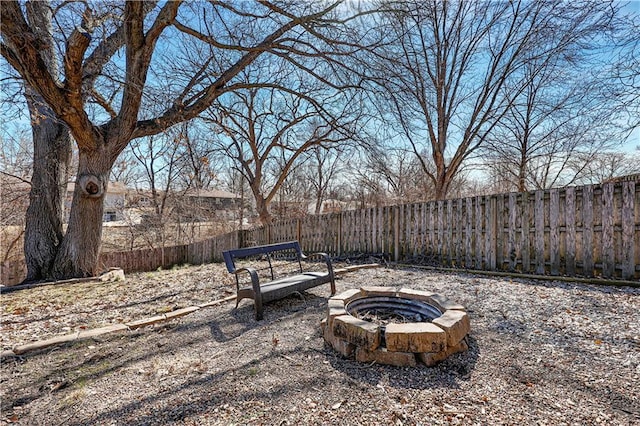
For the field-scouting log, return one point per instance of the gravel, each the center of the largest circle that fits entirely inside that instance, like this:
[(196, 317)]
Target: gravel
[(541, 353)]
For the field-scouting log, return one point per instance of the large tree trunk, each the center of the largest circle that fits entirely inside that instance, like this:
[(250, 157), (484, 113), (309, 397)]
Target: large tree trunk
[(51, 162), (443, 181), (80, 249), (262, 207), (45, 214)]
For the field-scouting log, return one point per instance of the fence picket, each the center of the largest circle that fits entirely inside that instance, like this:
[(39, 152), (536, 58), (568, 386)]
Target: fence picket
[(468, 236), (459, 230), (512, 251), (525, 241), (570, 235), (608, 212), (628, 246), (478, 232), (587, 231), (499, 235), (554, 231), (539, 231)]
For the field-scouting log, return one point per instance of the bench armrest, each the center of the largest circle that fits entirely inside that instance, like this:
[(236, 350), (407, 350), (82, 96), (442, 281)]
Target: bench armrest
[(327, 260), (255, 284), (325, 256)]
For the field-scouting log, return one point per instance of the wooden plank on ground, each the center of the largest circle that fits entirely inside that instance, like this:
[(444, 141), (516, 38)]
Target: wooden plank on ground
[(42, 344)]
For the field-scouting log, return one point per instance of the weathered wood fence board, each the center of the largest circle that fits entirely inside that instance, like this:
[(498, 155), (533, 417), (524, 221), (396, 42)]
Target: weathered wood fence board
[(145, 260), (584, 231)]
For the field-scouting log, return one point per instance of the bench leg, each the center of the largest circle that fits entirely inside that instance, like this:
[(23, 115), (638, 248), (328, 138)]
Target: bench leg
[(259, 309), (257, 296)]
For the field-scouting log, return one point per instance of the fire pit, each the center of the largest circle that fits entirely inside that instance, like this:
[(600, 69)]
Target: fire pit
[(395, 327)]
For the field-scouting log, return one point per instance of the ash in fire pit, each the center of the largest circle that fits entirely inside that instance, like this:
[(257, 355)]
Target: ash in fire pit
[(395, 327), (384, 309)]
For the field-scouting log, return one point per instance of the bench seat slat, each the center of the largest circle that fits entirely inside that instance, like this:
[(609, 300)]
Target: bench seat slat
[(283, 287)]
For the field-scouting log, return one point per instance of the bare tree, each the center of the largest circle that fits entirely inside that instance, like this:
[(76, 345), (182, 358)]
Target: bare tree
[(625, 70), (609, 165), (16, 159), (157, 156), (106, 106), (267, 131), (197, 158), (556, 120), (446, 65), (322, 173), (125, 169)]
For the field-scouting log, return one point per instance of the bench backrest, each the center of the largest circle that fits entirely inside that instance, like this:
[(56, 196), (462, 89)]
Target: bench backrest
[(231, 255)]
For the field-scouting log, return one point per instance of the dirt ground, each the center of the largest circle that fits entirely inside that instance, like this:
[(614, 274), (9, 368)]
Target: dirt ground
[(541, 353)]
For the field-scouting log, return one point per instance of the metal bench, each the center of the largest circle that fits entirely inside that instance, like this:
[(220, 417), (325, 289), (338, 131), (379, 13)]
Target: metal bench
[(276, 288)]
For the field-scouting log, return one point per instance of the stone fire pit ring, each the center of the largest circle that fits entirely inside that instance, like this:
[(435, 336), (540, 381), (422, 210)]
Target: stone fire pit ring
[(432, 329)]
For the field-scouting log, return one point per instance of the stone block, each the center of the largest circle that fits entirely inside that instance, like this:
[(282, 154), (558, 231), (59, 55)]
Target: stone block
[(455, 323), (409, 293), (431, 359), (335, 303), (446, 304), (368, 291), (113, 274), (383, 356), (335, 312), (347, 296), (415, 337), (357, 331), (341, 346)]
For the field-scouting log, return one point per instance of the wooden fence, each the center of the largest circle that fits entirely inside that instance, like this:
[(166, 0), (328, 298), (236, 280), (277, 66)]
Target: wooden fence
[(576, 231), (144, 260)]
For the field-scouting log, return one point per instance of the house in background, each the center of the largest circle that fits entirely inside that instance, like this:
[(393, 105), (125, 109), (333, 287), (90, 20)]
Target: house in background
[(204, 205), (330, 205), (114, 201), (193, 205)]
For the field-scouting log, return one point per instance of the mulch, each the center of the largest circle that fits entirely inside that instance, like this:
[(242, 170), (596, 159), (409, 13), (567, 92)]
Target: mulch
[(539, 353)]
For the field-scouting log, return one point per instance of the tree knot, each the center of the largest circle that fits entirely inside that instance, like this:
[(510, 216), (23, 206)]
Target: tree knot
[(91, 186)]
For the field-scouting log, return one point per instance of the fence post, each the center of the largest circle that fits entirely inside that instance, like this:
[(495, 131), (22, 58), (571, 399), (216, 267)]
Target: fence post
[(242, 238), (339, 234), (396, 233), (493, 237), (628, 227)]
